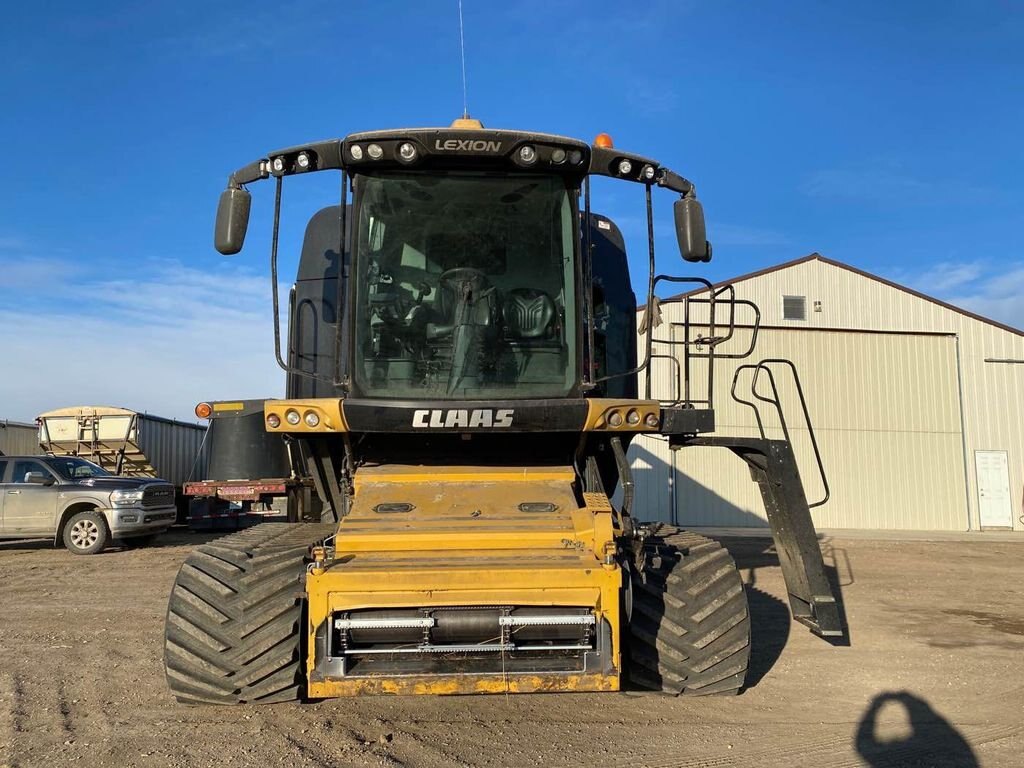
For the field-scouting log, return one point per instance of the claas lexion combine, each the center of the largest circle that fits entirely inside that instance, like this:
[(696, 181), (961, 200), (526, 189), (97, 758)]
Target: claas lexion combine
[(463, 382)]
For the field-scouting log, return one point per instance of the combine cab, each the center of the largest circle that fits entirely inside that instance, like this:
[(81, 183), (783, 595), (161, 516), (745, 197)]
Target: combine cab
[(464, 382)]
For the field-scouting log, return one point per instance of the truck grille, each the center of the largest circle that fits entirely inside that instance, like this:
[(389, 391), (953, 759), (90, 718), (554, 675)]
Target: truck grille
[(158, 496)]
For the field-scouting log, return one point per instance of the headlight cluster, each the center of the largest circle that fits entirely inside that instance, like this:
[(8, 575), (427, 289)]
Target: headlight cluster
[(126, 497), (529, 154), (294, 418), (627, 169), (630, 418), (297, 163), (407, 152)]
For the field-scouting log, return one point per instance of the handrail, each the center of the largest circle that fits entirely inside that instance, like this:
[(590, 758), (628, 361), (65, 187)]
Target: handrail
[(775, 400), (716, 326)]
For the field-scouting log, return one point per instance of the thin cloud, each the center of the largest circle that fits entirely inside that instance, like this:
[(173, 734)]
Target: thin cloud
[(159, 343), (950, 276), (886, 183), (999, 297), (979, 286)]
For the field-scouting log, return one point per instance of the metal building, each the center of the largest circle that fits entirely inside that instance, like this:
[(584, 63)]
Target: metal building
[(17, 439), (917, 405)]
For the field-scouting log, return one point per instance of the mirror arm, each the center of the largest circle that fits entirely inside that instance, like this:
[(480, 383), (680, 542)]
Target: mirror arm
[(252, 172), (675, 182)]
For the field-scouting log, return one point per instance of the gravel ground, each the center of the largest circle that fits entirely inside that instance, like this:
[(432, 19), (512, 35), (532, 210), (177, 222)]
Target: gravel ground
[(931, 677)]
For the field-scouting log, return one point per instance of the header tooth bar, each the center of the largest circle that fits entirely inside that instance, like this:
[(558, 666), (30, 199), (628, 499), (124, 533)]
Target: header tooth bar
[(383, 623), (546, 621)]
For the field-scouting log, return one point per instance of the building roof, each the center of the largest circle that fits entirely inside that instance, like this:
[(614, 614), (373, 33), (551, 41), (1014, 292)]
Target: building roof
[(833, 263)]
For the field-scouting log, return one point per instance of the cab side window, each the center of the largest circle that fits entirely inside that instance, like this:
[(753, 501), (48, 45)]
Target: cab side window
[(3, 469), (22, 468)]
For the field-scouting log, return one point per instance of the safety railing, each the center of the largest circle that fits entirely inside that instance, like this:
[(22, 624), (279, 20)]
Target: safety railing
[(764, 368), (709, 320)]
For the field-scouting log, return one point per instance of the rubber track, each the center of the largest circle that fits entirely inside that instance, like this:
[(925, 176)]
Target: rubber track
[(234, 621), (690, 628)]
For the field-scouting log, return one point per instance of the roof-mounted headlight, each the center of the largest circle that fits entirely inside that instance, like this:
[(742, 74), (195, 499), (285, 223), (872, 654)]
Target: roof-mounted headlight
[(407, 152)]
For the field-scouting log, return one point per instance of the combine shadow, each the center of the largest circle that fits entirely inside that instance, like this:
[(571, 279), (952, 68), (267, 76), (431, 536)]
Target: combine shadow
[(933, 741), (769, 633), (752, 554)]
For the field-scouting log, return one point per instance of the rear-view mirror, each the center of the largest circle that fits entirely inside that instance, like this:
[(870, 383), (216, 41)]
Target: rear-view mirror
[(232, 220), (38, 478), (690, 231)]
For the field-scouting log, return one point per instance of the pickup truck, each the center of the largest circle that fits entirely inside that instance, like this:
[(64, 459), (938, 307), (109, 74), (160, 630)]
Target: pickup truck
[(80, 503)]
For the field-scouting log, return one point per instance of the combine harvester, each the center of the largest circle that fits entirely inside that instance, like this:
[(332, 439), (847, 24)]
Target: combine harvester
[(469, 390)]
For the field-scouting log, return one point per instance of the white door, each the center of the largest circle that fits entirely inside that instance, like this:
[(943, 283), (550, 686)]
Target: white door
[(993, 489)]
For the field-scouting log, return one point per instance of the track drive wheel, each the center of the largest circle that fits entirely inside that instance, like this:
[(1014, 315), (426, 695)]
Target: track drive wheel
[(689, 626), (234, 630)]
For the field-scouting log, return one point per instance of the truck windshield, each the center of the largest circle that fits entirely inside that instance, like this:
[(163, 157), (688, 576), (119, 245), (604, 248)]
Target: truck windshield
[(73, 468), (464, 287)]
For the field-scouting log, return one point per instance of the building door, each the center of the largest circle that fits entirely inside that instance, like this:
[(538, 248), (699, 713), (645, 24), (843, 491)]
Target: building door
[(993, 489)]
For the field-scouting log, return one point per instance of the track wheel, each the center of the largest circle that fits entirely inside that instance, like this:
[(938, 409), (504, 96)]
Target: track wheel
[(234, 630), (689, 627)]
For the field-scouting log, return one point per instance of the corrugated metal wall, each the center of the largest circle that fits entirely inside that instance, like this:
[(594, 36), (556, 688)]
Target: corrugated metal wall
[(173, 448), (18, 439), (886, 406)]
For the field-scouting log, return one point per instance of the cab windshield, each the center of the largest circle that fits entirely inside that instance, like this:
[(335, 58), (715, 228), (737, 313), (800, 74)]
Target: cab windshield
[(464, 287), (71, 468)]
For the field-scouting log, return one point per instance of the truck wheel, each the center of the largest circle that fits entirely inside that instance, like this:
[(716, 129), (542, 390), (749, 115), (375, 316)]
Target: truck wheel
[(689, 628), (235, 628), (85, 533)]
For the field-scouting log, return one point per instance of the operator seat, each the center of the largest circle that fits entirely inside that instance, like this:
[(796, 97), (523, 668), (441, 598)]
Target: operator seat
[(528, 315), (480, 308)]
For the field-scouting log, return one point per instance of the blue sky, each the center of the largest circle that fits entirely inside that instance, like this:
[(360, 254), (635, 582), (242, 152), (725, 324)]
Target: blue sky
[(886, 135)]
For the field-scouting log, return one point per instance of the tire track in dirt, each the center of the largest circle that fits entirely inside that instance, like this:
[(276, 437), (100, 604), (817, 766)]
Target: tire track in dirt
[(12, 716), (27, 728), (836, 751)]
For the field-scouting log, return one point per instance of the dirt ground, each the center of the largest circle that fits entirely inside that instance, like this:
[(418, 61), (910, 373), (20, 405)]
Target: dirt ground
[(932, 677)]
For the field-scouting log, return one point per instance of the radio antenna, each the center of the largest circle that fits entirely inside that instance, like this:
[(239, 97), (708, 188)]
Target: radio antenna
[(462, 48)]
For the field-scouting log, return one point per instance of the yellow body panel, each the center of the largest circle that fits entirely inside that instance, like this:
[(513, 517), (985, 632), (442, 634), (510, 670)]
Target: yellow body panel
[(328, 410), (465, 542)]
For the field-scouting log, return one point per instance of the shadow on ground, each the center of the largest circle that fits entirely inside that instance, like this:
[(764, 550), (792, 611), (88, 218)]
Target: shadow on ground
[(916, 736)]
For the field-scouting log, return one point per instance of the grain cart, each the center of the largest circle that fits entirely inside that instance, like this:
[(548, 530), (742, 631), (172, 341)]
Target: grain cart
[(474, 375), (128, 443)]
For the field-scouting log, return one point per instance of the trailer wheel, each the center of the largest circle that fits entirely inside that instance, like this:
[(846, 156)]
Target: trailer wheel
[(234, 631), (689, 628), (85, 533)]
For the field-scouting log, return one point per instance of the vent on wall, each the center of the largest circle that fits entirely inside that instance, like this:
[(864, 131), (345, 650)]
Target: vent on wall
[(794, 307)]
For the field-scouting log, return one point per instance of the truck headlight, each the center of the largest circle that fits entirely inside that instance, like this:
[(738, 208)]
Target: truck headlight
[(126, 498)]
